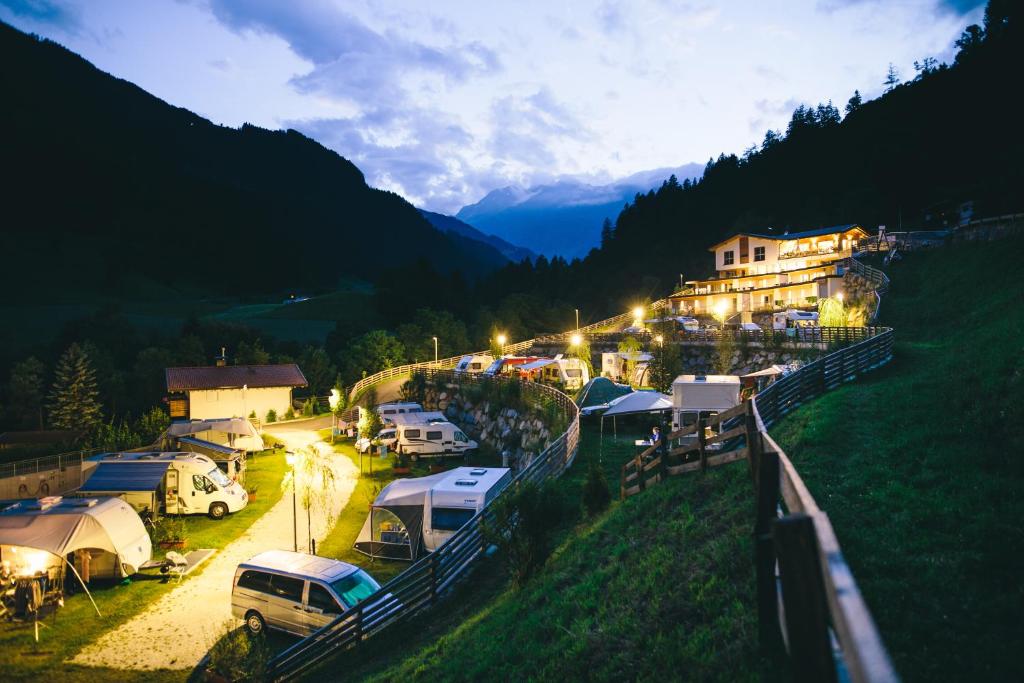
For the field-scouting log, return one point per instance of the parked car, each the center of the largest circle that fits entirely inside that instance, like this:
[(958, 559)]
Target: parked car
[(296, 592), (386, 437)]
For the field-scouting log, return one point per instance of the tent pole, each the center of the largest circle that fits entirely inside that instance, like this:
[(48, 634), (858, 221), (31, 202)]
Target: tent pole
[(72, 567), (615, 426)]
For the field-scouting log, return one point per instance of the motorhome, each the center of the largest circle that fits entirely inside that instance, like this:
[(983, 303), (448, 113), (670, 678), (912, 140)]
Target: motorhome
[(474, 364), (793, 319), (388, 411), (411, 517), (295, 592), (164, 483), (616, 367), (431, 436), (699, 397)]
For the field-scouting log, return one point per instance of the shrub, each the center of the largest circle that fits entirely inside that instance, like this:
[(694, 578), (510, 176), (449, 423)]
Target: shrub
[(238, 656), (596, 494), (523, 527), (272, 415), (252, 415), (308, 409)]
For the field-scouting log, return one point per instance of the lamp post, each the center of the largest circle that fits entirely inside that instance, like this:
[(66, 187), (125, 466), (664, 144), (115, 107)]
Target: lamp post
[(333, 400), (577, 319), (501, 339), (289, 457), (435, 350)]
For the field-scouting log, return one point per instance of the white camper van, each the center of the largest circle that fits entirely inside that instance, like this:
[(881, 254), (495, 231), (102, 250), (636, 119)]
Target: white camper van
[(793, 319), (430, 434), (701, 397), (413, 516), (169, 483), (388, 411), (474, 364)]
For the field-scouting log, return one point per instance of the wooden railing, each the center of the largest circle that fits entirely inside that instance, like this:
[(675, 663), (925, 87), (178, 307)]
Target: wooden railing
[(425, 582), (807, 598)]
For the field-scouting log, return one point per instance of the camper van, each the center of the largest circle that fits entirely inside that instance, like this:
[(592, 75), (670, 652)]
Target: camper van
[(388, 411), (697, 397), (413, 516), (793, 319), (474, 364), (431, 437), (168, 483), (615, 365), (295, 592)]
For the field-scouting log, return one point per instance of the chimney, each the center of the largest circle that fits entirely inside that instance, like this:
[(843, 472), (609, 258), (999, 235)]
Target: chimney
[(222, 359)]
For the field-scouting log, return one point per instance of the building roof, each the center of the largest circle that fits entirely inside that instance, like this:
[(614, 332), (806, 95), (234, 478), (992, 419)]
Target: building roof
[(816, 232), (234, 377)]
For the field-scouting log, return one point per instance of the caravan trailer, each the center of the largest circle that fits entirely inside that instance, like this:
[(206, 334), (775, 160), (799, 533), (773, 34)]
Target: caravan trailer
[(430, 434), (614, 366), (697, 397), (168, 483), (475, 364), (413, 516), (572, 373), (793, 319)]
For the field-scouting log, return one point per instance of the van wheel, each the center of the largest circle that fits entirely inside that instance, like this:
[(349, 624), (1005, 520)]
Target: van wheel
[(254, 622), (218, 511)]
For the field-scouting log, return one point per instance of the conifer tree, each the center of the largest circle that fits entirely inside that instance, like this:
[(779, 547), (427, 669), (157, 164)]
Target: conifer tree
[(854, 103), (74, 398), (26, 392)]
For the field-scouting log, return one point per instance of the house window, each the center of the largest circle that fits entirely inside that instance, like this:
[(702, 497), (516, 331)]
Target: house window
[(759, 253), (728, 258)]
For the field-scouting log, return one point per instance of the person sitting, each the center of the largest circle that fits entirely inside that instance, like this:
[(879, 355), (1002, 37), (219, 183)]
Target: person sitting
[(655, 435)]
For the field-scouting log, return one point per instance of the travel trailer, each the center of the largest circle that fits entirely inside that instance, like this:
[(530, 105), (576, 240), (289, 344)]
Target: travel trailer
[(572, 373), (474, 364), (164, 483), (701, 397), (295, 592), (411, 517), (793, 319), (389, 410), (432, 435), (507, 364), (615, 366)]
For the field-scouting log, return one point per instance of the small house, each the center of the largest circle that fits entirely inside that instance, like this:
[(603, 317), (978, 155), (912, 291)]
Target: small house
[(224, 391)]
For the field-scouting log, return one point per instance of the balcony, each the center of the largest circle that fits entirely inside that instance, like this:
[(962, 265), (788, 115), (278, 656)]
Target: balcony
[(811, 253)]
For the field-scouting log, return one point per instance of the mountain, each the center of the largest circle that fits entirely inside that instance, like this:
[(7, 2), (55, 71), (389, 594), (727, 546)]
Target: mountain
[(106, 184), (562, 218), (450, 224)]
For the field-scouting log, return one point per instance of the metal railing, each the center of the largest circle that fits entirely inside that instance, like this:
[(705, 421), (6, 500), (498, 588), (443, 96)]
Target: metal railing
[(424, 583)]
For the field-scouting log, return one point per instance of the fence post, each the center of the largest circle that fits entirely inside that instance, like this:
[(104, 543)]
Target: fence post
[(701, 441), (803, 596), (640, 472), (753, 439), (764, 552)]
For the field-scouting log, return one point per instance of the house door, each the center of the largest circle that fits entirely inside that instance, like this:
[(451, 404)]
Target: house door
[(171, 492)]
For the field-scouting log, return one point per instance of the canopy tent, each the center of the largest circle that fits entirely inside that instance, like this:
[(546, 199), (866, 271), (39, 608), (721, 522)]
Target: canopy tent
[(62, 526), (394, 527), (598, 392), (636, 403), (235, 432)]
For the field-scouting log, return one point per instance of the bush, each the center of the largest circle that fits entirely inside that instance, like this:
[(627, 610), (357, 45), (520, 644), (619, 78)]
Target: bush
[(168, 528), (523, 528), (272, 415), (288, 414), (238, 656), (252, 415), (596, 494)]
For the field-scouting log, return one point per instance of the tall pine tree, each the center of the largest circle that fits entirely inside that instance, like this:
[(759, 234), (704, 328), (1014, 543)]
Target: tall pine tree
[(74, 399)]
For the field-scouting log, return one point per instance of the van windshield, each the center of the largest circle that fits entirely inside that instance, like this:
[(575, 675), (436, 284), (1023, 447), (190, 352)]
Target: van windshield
[(355, 587), (218, 477)]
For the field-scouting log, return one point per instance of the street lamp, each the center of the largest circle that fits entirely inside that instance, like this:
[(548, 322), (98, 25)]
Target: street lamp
[(576, 340), (501, 339), (290, 458), (659, 339), (577, 318), (839, 297), (435, 350), (333, 400)]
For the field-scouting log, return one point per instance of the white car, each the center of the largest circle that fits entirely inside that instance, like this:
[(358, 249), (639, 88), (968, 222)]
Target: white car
[(386, 437)]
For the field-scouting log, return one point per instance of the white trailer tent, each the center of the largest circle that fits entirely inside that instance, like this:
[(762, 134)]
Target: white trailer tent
[(37, 535), (234, 432), (636, 403)]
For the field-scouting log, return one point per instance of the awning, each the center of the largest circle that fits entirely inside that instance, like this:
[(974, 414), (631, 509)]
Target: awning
[(231, 425), (536, 365), (126, 476), (639, 402), (208, 445)]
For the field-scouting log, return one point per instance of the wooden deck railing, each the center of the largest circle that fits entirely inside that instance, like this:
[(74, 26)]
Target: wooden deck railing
[(424, 583), (806, 594)]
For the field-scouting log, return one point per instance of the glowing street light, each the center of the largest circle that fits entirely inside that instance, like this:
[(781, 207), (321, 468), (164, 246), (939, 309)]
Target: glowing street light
[(501, 339), (638, 313), (576, 340), (839, 297), (334, 400), (291, 459), (721, 308), (659, 339), (435, 350)]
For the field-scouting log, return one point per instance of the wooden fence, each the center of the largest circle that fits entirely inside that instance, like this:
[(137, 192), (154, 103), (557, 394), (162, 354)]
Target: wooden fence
[(425, 582), (806, 595)]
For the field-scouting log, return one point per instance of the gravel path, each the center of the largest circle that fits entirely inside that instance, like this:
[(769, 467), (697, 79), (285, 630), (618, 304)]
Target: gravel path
[(176, 631)]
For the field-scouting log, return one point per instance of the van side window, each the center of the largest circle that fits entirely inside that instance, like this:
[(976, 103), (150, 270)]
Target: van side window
[(254, 580), (320, 597), (459, 436), (433, 436), (286, 587), (450, 519), (412, 433), (200, 482)]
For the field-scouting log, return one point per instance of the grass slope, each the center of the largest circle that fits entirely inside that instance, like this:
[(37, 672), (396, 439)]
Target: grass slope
[(660, 583), (920, 468)]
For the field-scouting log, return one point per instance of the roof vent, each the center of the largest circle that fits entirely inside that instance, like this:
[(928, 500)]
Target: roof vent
[(700, 378), (465, 482), (478, 472)]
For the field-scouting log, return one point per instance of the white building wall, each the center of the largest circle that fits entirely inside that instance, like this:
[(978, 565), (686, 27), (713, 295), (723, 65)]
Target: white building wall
[(218, 403)]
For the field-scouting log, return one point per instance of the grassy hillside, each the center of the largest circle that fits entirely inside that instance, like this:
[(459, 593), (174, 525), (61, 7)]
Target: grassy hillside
[(660, 583), (920, 466)]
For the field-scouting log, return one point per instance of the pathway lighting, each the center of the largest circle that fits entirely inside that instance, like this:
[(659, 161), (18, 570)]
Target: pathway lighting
[(839, 296), (659, 339), (333, 400), (291, 459)]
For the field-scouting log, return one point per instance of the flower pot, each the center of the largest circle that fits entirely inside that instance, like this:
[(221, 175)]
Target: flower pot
[(252, 495), (177, 544)]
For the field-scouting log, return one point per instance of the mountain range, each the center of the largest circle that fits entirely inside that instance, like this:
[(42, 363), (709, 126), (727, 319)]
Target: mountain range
[(450, 224), (563, 218), (108, 188)]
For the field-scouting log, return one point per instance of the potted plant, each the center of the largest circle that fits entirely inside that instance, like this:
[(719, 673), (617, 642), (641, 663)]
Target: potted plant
[(400, 464), (251, 490), (169, 533)]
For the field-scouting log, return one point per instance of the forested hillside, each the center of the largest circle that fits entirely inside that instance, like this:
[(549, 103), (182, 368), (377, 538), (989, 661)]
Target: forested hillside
[(948, 135), (107, 186)]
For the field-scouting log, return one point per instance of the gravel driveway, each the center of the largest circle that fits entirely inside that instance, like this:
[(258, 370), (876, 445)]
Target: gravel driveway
[(176, 631)]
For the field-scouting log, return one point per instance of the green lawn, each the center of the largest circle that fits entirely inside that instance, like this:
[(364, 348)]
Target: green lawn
[(76, 624), (660, 586), (919, 466)]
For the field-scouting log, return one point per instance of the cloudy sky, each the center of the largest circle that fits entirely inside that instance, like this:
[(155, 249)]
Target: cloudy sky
[(443, 101)]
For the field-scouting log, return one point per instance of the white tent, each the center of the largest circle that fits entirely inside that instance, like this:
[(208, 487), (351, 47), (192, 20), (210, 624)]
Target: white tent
[(62, 526), (394, 527), (639, 402), (236, 432)]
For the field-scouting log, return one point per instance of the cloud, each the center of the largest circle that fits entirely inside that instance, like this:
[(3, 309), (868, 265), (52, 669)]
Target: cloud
[(610, 18), (955, 7), (52, 12)]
